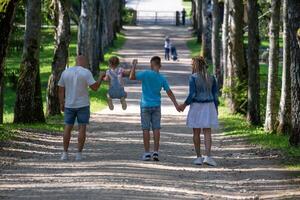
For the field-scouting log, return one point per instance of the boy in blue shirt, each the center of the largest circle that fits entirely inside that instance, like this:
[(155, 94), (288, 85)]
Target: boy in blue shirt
[(152, 83)]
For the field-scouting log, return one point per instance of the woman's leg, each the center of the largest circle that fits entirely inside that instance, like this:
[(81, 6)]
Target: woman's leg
[(207, 140), (197, 141)]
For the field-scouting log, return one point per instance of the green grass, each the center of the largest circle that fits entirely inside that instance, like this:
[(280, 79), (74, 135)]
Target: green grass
[(237, 125), (98, 99), (187, 4)]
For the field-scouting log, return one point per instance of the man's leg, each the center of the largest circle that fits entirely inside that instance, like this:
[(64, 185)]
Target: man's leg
[(197, 141), (156, 135), (146, 138), (67, 137), (81, 137)]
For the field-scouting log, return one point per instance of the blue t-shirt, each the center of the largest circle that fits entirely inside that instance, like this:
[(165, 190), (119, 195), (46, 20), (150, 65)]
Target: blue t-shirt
[(152, 83)]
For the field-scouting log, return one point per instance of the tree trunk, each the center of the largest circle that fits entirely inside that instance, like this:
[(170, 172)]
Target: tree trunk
[(199, 19), (271, 113), (6, 20), (284, 116), (216, 41), (294, 34), (206, 32), (253, 111), (61, 52), (237, 69), (225, 45), (28, 106)]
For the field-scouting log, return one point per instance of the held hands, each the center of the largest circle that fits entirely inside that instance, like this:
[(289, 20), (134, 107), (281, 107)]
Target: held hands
[(181, 108), (102, 76)]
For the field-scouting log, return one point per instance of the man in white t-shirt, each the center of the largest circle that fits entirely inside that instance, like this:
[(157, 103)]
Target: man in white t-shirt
[(74, 101)]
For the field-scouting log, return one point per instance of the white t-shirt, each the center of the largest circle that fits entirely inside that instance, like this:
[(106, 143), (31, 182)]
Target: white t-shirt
[(76, 81)]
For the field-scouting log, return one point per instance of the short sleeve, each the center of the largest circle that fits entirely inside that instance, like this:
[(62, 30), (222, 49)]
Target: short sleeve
[(165, 84), (61, 81), (140, 75), (90, 79)]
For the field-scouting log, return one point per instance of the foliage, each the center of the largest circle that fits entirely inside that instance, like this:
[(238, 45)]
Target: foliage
[(128, 16)]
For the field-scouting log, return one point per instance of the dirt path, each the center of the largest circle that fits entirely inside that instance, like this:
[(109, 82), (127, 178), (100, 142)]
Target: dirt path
[(112, 169)]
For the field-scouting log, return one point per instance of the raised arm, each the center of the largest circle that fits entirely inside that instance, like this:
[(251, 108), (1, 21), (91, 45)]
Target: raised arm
[(133, 68), (97, 84)]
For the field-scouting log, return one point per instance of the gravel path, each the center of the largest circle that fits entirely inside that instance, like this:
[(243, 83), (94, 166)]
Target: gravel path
[(111, 168)]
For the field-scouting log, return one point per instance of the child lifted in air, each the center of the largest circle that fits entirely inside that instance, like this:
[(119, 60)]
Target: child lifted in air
[(114, 75)]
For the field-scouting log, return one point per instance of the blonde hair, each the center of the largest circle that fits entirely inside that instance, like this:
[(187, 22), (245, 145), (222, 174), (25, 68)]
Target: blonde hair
[(200, 67)]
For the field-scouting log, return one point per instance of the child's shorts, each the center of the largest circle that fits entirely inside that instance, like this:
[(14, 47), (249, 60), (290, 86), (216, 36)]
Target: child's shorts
[(150, 117), (116, 93)]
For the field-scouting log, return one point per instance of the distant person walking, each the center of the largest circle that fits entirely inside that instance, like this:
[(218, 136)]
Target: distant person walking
[(75, 103), (183, 16), (203, 113), (167, 48)]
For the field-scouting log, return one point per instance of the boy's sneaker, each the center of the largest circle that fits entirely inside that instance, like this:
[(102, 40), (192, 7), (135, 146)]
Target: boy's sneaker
[(64, 156), (155, 156), (110, 103), (146, 157), (198, 161), (209, 161), (123, 103), (78, 156)]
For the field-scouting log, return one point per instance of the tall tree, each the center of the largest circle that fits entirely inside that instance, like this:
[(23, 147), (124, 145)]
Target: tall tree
[(6, 20), (29, 106), (198, 9), (206, 32), (294, 34), (271, 113), (253, 110), (237, 69), (224, 51), (215, 41), (284, 116), (61, 14)]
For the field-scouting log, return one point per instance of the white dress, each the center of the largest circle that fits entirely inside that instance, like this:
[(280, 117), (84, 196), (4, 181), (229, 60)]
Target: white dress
[(202, 115)]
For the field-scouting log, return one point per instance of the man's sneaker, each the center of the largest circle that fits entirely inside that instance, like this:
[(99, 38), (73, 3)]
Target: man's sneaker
[(155, 156), (78, 156), (198, 161), (110, 103), (123, 103), (64, 156), (209, 161), (146, 157)]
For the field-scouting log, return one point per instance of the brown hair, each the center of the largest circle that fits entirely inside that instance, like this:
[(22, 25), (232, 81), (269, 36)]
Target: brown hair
[(200, 67), (114, 61), (156, 60)]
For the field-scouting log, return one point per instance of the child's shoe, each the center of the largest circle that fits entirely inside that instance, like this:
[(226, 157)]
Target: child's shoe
[(110, 103), (64, 156), (198, 161), (123, 102), (146, 156), (155, 156), (209, 161)]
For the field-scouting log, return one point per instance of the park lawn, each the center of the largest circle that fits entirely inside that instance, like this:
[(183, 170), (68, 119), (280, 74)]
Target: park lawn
[(98, 99), (238, 125)]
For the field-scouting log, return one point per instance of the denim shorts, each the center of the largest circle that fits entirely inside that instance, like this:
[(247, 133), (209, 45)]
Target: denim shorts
[(81, 114), (150, 117)]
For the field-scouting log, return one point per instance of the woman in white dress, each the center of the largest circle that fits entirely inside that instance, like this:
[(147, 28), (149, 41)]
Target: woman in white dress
[(203, 113)]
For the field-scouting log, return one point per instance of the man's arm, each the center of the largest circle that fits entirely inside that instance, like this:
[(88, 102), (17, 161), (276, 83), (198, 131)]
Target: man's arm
[(173, 99), (133, 68), (61, 96), (97, 84)]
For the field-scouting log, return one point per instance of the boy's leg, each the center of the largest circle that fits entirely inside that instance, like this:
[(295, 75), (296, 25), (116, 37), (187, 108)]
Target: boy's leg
[(146, 138), (207, 140), (156, 135), (197, 141)]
